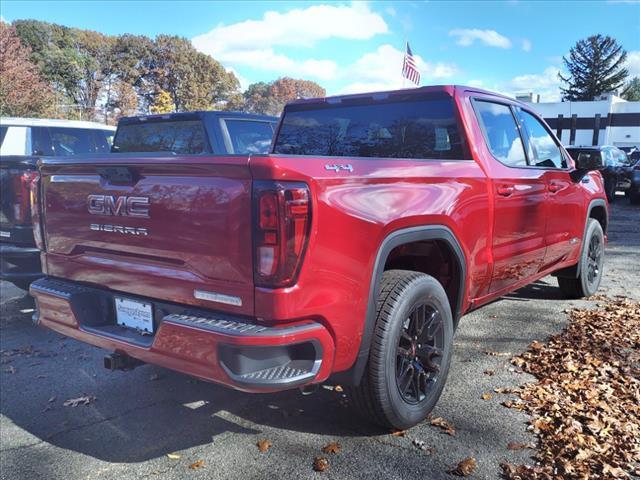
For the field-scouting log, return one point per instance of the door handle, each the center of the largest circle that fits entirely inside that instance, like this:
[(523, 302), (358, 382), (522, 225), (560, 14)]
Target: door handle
[(555, 187), (506, 190)]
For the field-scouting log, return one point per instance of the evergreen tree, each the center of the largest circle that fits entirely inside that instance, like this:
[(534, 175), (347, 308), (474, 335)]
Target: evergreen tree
[(595, 66), (631, 90)]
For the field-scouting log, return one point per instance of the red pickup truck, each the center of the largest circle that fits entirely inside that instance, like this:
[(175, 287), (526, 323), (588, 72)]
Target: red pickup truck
[(348, 254)]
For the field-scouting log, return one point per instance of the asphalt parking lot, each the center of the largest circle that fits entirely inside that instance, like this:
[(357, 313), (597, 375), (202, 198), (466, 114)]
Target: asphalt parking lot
[(140, 417)]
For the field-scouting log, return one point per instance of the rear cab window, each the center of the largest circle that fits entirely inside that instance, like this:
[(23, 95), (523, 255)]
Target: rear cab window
[(183, 137), (404, 126)]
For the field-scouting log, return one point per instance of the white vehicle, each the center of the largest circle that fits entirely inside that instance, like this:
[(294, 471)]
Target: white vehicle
[(44, 137)]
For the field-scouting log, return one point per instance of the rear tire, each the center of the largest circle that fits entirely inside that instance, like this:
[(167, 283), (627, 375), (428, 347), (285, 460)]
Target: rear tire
[(590, 265), (410, 352)]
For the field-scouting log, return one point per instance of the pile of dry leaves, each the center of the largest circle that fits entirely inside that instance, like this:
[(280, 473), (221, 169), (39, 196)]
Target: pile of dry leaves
[(586, 402)]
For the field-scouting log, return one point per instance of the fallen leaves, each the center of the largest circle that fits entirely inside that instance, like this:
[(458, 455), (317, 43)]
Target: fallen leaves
[(76, 402), (486, 396), (333, 447), (264, 445), (197, 465), (465, 468), (320, 464), (586, 400), (446, 426)]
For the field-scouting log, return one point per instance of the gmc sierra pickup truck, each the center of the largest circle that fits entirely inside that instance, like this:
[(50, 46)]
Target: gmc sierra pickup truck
[(348, 254), (24, 141)]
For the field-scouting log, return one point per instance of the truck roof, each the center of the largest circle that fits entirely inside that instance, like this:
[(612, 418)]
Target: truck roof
[(450, 89), (53, 122), (198, 114)]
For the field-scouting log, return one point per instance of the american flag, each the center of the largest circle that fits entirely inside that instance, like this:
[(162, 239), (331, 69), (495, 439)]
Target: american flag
[(409, 69)]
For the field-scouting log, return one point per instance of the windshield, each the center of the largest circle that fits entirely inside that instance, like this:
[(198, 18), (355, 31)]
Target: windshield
[(411, 128)]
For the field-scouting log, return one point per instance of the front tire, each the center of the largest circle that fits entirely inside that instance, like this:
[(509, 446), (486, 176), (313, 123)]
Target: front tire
[(590, 265), (410, 352)]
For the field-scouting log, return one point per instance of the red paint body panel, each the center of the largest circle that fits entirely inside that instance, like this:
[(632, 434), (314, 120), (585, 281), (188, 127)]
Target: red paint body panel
[(200, 237)]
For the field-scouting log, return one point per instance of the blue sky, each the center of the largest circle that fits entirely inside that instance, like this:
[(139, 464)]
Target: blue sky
[(512, 46)]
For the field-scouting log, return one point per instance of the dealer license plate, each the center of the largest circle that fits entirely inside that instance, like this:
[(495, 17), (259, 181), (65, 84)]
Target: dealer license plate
[(134, 314)]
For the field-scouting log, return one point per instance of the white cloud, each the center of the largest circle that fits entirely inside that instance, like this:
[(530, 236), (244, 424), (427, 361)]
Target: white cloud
[(526, 45), (633, 63), (391, 11), (546, 84), (251, 42), (382, 68), (491, 38)]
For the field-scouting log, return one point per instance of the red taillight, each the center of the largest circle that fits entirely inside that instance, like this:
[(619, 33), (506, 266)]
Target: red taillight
[(34, 201), (22, 196), (281, 232)]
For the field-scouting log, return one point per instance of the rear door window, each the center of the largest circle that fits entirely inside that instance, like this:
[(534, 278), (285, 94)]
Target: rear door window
[(501, 132), (425, 128), (177, 136), (247, 136)]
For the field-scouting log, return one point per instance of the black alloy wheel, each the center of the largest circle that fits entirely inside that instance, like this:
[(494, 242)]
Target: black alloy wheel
[(419, 353)]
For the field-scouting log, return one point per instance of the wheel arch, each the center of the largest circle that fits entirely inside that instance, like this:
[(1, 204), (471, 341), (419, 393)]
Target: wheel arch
[(397, 238)]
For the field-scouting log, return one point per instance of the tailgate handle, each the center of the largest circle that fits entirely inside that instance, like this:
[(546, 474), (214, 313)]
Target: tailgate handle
[(118, 174)]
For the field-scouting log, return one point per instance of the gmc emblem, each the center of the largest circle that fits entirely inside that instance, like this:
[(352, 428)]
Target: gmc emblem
[(118, 206)]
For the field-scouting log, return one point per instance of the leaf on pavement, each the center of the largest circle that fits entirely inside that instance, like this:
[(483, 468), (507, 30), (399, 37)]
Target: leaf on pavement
[(320, 464), (489, 373), (264, 445), (446, 426), (173, 456), (465, 468), (197, 465), (83, 400), (399, 433), (486, 396), (333, 447)]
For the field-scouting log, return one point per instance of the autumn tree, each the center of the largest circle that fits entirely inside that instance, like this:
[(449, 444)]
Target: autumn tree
[(163, 103), (23, 92), (270, 98), (595, 66), (194, 80), (631, 90)]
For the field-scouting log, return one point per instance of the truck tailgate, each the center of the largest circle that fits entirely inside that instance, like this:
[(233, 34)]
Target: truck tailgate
[(172, 228)]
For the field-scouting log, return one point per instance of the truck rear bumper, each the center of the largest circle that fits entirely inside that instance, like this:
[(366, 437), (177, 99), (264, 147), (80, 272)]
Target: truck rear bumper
[(231, 350)]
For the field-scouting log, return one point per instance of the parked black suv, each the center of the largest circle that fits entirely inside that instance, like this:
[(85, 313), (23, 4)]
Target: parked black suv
[(615, 163)]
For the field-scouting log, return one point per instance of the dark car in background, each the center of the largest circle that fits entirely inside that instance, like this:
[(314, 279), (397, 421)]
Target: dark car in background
[(23, 141), (633, 174), (615, 162)]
